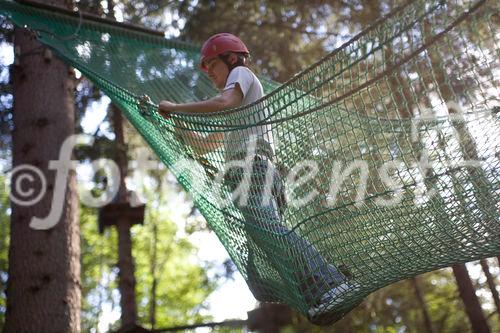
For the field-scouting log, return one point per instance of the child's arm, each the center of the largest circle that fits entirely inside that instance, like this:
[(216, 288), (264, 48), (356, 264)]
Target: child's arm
[(229, 98), (201, 144)]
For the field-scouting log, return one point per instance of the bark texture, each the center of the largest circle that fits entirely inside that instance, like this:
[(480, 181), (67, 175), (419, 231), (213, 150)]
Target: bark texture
[(468, 295)]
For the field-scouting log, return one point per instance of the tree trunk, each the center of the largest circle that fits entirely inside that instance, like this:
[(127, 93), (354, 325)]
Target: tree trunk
[(423, 306), (491, 284), (125, 259), (126, 275), (43, 289), (472, 306)]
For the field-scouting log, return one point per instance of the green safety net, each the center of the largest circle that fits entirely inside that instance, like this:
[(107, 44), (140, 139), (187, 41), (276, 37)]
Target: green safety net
[(377, 163)]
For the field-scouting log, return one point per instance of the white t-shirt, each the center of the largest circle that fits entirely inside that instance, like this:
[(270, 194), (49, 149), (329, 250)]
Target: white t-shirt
[(237, 142), (249, 84)]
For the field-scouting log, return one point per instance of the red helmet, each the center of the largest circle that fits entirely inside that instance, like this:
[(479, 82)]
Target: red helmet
[(219, 44)]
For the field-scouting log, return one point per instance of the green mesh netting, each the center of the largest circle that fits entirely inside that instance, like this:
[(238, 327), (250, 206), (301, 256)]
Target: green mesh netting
[(386, 150)]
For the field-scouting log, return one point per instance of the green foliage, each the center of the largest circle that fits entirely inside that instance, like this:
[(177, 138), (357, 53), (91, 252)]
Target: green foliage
[(166, 259), (99, 255), (168, 274)]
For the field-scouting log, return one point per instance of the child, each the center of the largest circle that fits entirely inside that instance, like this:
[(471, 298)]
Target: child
[(223, 58)]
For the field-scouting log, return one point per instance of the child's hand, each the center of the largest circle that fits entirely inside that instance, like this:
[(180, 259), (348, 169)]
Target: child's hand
[(144, 100), (165, 108)]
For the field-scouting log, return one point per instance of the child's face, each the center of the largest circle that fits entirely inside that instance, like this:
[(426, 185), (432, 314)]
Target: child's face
[(217, 72)]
